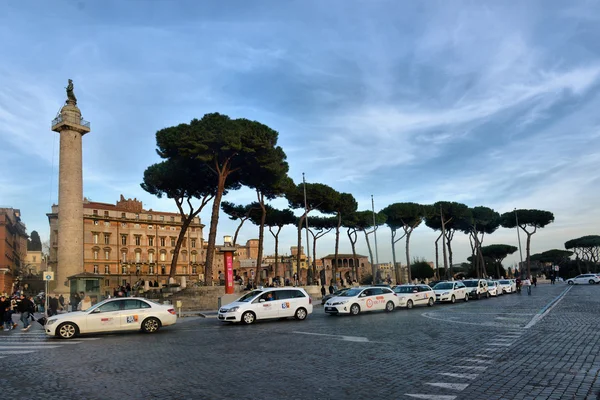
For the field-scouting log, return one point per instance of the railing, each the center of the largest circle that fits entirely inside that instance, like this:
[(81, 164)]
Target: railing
[(81, 122)]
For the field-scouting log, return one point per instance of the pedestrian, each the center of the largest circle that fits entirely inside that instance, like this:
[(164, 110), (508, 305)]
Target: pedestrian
[(75, 299), (61, 302), (331, 288), (527, 284), (534, 281), (6, 313), (24, 307), (552, 279), (323, 291), (295, 279), (86, 303), (518, 282), (53, 305)]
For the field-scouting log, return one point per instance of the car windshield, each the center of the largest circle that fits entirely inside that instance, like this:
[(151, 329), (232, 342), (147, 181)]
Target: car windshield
[(404, 289), (249, 296), (470, 283), (92, 308), (505, 282), (443, 286), (351, 293), (491, 283), (339, 292)]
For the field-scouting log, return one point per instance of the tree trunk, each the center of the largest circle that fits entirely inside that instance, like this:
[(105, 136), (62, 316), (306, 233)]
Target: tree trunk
[(276, 237), (396, 269), (314, 264), (355, 260), (261, 233), (237, 231), (437, 256), (373, 266), (299, 252), (408, 271), (527, 252), (337, 246), (182, 232), (212, 236), (444, 242)]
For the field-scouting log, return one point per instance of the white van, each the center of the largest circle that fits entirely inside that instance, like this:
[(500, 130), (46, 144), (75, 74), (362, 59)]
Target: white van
[(268, 303)]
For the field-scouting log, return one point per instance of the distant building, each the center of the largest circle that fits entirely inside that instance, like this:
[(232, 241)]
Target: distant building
[(13, 247), (346, 266)]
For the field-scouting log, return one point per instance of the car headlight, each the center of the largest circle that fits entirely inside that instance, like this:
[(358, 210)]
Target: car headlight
[(50, 321), (445, 293), (233, 309), (337, 303)]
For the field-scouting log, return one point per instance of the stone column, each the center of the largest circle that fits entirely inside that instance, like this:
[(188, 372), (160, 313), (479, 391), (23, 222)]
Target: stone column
[(71, 129)]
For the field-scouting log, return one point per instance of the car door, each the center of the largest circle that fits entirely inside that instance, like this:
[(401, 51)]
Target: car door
[(366, 299), (423, 294), (104, 318), (460, 290), (133, 312), (286, 302), (266, 308)]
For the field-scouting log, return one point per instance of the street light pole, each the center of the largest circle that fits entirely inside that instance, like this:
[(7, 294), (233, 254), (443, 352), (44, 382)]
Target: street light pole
[(375, 234), (519, 239), (306, 221)]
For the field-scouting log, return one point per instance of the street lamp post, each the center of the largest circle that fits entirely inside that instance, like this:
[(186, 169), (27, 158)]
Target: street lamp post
[(375, 235), (306, 221), (519, 239)]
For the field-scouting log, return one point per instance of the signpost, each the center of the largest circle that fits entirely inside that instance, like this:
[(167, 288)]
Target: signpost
[(48, 276)]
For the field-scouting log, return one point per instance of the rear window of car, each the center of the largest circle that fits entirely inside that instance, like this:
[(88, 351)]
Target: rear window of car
[(135, 304), (288, 294), (404, 289)]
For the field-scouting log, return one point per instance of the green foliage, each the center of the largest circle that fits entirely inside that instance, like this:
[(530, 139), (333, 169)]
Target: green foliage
[(420, 269), (498, 252), (527, 218), (366, 279), (401, 215), (456, 215), (318, 197), (363, 220), (238, 211), (279, 218), (179, 179), (34, 243), (554, 256), (480, 220)]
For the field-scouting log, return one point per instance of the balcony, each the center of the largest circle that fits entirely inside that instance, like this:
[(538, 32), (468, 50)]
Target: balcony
[(59, 119)]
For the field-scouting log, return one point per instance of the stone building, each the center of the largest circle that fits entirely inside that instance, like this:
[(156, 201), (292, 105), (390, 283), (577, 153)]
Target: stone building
[(345, 265), (123, 243), (13, 247)]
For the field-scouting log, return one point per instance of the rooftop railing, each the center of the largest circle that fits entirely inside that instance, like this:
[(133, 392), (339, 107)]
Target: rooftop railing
[(81, 121)]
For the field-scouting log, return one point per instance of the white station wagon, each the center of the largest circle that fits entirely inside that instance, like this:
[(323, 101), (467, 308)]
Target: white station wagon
[(118, 314), (268, 303), (414, 295), (360, 299), (451, 291), (583, 279)]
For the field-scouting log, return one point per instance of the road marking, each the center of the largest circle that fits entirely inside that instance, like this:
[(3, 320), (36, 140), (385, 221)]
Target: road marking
[(499, 339), (26, 347), (91, 338), (453, 386), (500, 344), (509, 318), (475, 367), (358, 339), (476, 360), (431, 396), (453, 375), (17, 352), (483, 355), (544, 311)]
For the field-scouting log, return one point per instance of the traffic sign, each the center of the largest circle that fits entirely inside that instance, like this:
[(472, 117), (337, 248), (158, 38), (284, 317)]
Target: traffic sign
[(49, 276)]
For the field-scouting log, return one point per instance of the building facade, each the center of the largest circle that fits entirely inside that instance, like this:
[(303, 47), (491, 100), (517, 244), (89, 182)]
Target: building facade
[(123, 243), (348, 267), (13, 247)]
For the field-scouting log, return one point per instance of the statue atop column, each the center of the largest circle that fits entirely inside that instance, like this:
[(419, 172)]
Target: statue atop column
[(71, 99)]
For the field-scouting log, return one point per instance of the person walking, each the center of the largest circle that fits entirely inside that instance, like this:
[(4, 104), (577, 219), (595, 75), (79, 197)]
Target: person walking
[(6, 313), (331, 290), (24, 307), (527, 284), (534, 281), (86, 303), (323, 291), (53, 305)]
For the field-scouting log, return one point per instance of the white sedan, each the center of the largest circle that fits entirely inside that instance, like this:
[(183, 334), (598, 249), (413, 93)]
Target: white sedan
[(451, 291), (583, 279), (412, 295), (507, 285), (119, 314), (360, 299), (494, 288)]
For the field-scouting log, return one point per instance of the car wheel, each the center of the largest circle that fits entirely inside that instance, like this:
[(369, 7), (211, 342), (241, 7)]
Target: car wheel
[(570, 282), (150, 325), (431, 302), (592, 282), (248, 317), (67, 330), (300, 314), (467, 297), (354, 309), (487, 295), (478, 296), (453, 299), (409, 304), (389, 306)]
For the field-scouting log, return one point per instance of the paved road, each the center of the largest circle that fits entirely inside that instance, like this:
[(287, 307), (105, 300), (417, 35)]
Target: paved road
[(544, 346)]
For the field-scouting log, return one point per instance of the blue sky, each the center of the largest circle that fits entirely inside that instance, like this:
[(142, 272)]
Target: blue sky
[(486, 103)]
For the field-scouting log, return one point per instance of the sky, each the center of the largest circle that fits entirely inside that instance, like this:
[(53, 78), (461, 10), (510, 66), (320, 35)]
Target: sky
[(487, 103)]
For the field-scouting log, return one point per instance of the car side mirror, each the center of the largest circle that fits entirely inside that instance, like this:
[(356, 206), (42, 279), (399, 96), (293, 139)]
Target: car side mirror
[(261, 301), (362, 295), (415, 291), (96, 311)]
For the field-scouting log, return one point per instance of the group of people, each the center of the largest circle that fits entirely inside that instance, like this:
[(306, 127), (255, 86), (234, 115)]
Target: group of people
[(19, 304), (527, 283)]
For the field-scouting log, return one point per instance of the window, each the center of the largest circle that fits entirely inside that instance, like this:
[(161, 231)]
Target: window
[(124, 240), (95, 254), (183, 256), (123, 215), (185, 269), (138, 240), (95, 238), (162, 269), (162, 256), (150, 240), (106, 214), (193, 243), (95, 212), (111, 306), (107, 271), (135, 304), (107, 282), (123, 269), (95, 269), (162, 242), (172, 242), (150, 257), (151, 269), (193, 257), (150, 226), (138, 256), (194, 269), (124, 225), (149, 217), (124, 256), (107, 254), (162, 217), (137, 216), (106, 239), (106, 223)]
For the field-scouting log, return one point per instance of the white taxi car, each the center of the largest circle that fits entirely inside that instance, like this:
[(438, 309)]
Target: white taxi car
[(494, 288), (583, 279), (268, 303), (360, 299), (118, 314), (413, 295), (507, 285), (451, 291)]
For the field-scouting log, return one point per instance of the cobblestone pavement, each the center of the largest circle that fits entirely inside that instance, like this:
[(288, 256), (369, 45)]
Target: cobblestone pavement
[(543, 346)]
